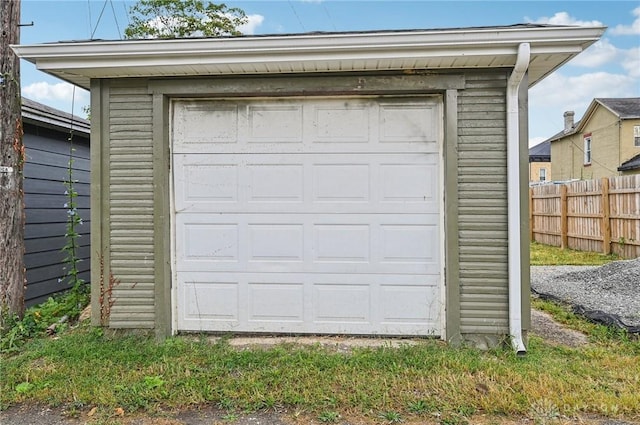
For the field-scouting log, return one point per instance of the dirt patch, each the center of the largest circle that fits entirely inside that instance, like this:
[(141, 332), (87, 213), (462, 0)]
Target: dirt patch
[(543, 325), (340, 344), (208, 415)]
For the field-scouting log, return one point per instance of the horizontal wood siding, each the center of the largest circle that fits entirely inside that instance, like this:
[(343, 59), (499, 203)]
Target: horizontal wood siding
[(46, 168), (482, 197), (131, 204)]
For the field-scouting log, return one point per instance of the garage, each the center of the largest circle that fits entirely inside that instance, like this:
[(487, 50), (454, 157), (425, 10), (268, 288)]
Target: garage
[(357, 183), (326, 222)]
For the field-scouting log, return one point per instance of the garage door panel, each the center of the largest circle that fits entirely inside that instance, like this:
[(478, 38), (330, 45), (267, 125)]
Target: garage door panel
[(200, 126), (335, 122), (211, 242), (402, 122), (326, 243), (204, 298), (275, 302), (261, 128), (341, 183), (346, 183), (324, 125), (275, 183), (406, 304), (299, 303), (409, 243), (409, 183), (307, 215), (276, 242)]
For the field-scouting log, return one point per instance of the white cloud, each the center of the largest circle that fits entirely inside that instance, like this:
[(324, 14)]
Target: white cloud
[(631, 62), (601, 53), (563, 18), (576, 92), (167, 25), (163, 24), (632, 29), (43, 91), (536, 141), (558, 93), (253, 22)]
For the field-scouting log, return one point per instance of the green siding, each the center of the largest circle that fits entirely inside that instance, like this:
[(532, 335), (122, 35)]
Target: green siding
[(131, 203), (482, 205), (132, 224)]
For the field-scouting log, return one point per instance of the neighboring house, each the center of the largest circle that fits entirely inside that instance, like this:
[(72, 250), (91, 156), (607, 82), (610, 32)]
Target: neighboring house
[(604, 143), (340, 183), (540, 162), (47, 149)]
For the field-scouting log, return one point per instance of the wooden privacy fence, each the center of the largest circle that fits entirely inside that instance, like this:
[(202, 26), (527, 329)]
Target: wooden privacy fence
[(589, 215)]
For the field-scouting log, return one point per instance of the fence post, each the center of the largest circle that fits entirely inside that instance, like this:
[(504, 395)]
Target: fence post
[(606, 215), (564, 227), (531, 214)]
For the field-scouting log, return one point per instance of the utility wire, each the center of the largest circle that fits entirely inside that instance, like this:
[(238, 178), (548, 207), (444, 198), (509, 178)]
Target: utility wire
[(326, 11), (115, 18), (581, 148), (89, 10), (99, 18), (126, 12), (297, 17)]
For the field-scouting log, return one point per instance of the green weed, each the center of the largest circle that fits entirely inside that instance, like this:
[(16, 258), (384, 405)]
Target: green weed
[(329, 417), (230, 417), (391, 417), (23, 387), (15, 332)]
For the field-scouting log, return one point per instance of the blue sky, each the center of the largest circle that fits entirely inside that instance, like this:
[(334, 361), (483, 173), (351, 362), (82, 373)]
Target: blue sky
[(611, 68)]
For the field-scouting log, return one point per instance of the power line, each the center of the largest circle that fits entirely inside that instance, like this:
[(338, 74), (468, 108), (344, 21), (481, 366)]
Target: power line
[(581, 148), (297, 17), (126, 12), (99, 18), (326, 11), (89, 10), (115, 18)]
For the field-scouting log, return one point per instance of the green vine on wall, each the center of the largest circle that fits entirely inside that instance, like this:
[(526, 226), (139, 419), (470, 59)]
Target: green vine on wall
[(79, 292), (71, 247)]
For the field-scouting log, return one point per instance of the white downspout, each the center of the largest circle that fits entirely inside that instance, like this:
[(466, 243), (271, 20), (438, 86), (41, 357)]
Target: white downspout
[(513, 193)]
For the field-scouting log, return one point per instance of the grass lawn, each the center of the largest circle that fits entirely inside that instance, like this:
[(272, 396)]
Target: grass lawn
[(84, 368), (545, 255)]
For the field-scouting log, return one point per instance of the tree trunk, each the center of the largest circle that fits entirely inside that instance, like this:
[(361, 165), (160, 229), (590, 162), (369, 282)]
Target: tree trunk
[(12, 218)]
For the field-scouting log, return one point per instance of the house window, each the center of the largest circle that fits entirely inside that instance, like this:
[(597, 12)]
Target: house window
[(543, 174), (636, 136), (587, 149)]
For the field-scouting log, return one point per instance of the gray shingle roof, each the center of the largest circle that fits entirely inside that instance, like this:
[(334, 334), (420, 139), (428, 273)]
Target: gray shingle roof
[(625, 108), (38, 113), (540, 152), (632, 164)]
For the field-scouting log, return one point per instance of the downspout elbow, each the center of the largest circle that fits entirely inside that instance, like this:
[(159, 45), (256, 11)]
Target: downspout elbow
[(513, 190)]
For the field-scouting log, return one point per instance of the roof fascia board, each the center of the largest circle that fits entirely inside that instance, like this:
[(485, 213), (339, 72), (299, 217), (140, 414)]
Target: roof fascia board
[(322, 42), (79, 61), (232, 58)]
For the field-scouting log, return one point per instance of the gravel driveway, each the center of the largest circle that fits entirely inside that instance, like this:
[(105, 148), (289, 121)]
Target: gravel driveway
[(609, 293)]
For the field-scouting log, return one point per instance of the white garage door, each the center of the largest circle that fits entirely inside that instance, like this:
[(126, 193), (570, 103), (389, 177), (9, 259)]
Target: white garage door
[(307, 215)]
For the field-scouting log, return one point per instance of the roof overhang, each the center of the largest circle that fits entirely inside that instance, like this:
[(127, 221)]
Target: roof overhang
[(45, 116), (488, 47)]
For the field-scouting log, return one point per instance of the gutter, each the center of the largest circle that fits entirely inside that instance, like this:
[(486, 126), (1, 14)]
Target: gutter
[(489, 47), (513, 193)]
